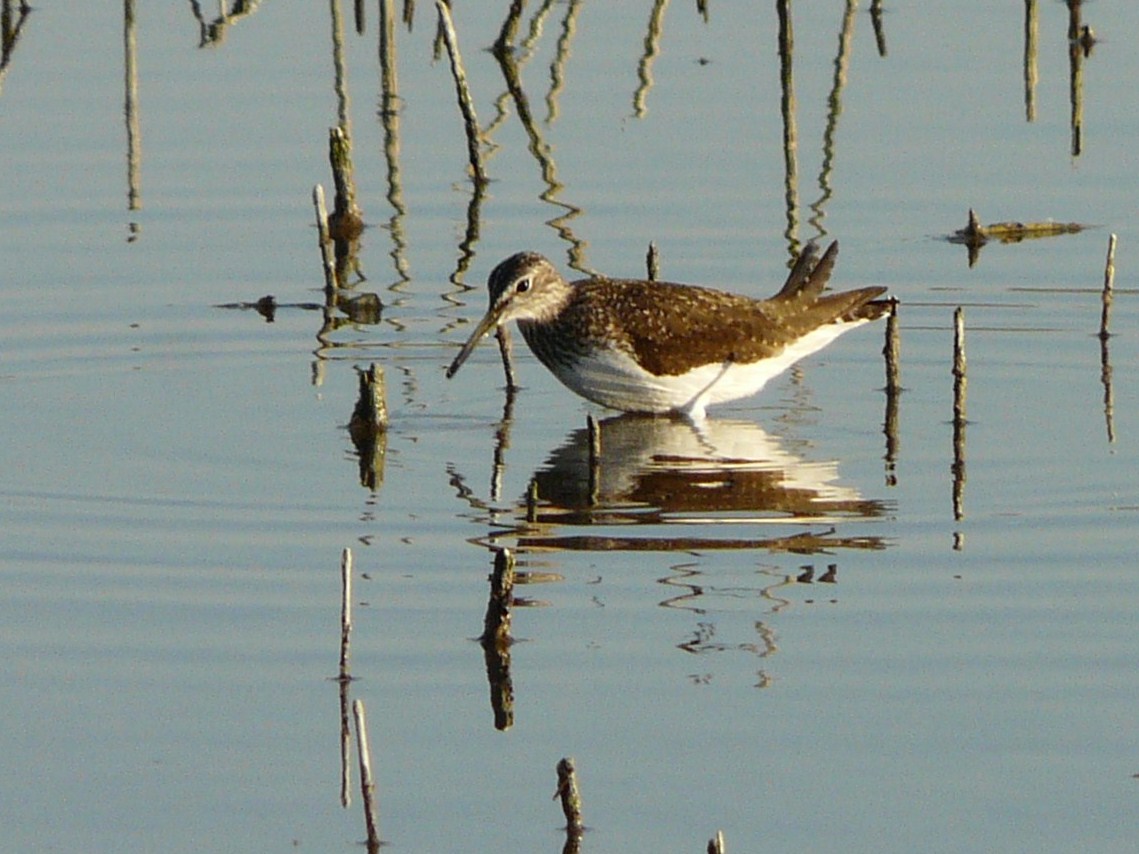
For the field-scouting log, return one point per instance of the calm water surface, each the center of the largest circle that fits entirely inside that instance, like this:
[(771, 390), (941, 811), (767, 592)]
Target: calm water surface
[(776, 626)]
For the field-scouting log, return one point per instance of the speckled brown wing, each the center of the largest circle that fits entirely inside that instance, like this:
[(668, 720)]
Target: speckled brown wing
[(672, 328)]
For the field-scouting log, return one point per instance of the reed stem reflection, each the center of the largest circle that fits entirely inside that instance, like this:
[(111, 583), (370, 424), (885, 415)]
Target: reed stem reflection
[(1031, 75), (543, 154), (12, 27), (390, 120), (652, 50), (130, 110), (834, 111), (561, 59), (790, 128)]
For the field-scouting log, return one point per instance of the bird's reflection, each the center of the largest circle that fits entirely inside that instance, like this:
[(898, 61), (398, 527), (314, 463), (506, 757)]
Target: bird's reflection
[(680, 467), (643, 470)]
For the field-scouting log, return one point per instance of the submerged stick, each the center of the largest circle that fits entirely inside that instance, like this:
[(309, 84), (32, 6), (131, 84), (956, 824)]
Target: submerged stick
[(367, 783), (466, 104)]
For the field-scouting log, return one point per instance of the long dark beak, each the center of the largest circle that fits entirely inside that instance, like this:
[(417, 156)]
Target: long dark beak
[(489, 321)]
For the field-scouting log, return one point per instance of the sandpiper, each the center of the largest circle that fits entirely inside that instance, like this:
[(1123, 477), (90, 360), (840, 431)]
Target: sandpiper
[(647, 346)]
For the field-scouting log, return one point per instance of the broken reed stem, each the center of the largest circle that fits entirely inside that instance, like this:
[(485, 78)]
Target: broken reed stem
[(367, 783), (532, 501), (571, 797), (345, 610), (326, 254), (1108, 289), (502, 581), (893, 350), (496, 625), (960, 385), (371, 413), (716, 844), (345, 222), (960, 380), (652, 262), (466, 105)]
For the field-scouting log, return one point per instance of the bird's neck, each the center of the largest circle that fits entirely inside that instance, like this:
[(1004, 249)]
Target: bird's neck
[(555, 296)]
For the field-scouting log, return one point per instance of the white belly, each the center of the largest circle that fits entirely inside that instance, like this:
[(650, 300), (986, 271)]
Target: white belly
[(612, 378)]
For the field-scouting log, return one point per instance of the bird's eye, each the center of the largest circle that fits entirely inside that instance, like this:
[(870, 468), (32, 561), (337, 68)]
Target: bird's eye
[(522, 286)]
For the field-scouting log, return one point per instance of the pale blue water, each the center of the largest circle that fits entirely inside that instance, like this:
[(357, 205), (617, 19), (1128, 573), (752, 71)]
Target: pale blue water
[(177, 481)]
